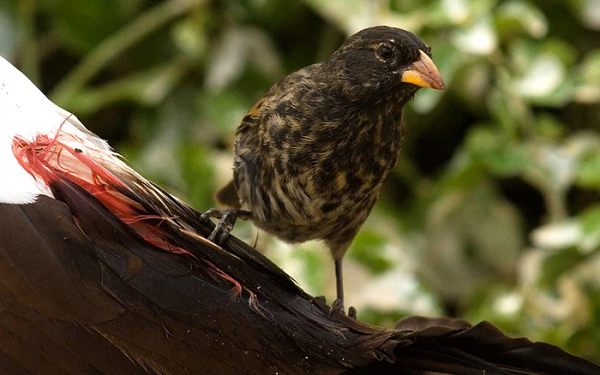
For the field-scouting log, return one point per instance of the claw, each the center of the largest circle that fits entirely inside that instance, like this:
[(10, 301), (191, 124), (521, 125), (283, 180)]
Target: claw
[(338, 308), (213, 212), (352, 312), (227, 219)]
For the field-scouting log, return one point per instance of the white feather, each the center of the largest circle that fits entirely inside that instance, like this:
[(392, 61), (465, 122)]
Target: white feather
[(27, 113)]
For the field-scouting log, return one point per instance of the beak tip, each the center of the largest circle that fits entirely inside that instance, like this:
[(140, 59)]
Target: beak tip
[(424, 73)]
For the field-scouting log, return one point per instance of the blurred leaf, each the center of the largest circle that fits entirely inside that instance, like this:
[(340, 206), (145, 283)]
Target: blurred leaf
[(238, 47), (464, 11), (551, 168), (197, 173), (588, 175), (456, 10), (513, 17), (349, 15), (190, 35), (590, 224), (540, 72), (368, 249), (472, 237), (589, 13), (498, 304), (223, 110), (145, 88), (549, 127), (544, 81), (9, 36), (590, 66), (84, 26), (113, 46), (590, 220), (557, 236), (555, 265), (588, 90), (479, 38), (584, 340), (396, 292), (501, 156)]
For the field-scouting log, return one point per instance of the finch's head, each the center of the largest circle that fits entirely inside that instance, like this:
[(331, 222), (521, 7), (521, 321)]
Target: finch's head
[(383, 62)]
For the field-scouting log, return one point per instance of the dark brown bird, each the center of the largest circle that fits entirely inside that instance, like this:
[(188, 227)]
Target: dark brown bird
[(312, 153)]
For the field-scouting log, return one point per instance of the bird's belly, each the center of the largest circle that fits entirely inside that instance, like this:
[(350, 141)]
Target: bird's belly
[(286, 210)]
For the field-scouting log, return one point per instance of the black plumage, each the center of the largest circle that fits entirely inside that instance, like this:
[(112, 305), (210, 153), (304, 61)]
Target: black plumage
[(81, 292)]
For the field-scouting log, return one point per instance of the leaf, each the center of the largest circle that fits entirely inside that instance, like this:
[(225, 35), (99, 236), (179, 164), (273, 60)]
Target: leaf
[(368, 249), (147, 88), (84, 26), (588, 78), (588, 174), (498, 303), (541, 72), (472, 236), (557, 236), (239, 47), (499, 155), (479, 38), (551, 168), (543, 78), (513, 17), (9, 33), (352, 15), (590, 66), (191, 37), (559, 263), (463, 11), (456, 10), (223, 110), (590, 222), (588, 12)]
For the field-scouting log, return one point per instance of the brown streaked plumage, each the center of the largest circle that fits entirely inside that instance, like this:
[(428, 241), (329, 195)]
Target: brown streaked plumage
[(312, 153)]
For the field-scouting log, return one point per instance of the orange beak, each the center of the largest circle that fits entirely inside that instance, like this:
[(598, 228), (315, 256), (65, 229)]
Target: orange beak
[(424, 73)]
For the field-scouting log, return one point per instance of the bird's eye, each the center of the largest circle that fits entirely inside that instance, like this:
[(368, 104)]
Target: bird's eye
[(385, 52)]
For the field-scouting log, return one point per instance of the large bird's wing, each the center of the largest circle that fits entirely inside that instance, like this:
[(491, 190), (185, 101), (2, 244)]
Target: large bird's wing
[(83, 293)]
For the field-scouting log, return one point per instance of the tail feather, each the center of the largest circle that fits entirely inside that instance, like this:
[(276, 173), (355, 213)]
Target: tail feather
[(453, 346), (228, 196)]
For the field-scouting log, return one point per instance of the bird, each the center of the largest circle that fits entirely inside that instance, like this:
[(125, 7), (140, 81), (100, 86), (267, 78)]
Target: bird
[(104, 272), (311, 155)]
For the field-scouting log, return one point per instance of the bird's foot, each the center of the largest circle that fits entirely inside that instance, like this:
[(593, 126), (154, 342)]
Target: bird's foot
[(352, 312), (338, 307), (227, 219)]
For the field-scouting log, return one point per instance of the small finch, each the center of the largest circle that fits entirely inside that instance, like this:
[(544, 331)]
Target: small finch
[(312, 153)]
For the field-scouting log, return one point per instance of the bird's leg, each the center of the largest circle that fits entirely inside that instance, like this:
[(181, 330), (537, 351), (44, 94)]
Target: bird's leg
[(227, 219), (339, 281), (338, 304)]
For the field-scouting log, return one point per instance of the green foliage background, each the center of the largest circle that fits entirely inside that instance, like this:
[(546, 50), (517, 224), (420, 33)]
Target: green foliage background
[(492, 212)]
